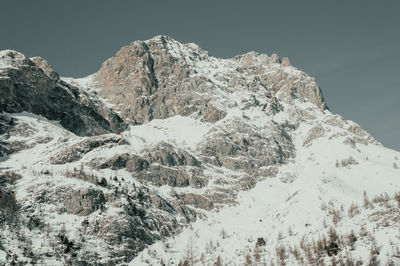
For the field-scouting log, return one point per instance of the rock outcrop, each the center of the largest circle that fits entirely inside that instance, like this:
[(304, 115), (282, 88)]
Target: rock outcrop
[(161, 77), (24, 86), (75, 151), (76, 201)]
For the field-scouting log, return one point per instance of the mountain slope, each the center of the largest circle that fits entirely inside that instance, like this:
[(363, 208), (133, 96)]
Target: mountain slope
[(230, 161), (27, 87)]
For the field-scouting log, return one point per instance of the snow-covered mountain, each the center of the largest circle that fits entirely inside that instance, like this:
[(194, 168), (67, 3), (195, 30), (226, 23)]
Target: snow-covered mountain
[(168, 155)]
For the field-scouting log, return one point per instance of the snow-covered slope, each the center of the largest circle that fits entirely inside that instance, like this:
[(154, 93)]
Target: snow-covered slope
[(225, 161)]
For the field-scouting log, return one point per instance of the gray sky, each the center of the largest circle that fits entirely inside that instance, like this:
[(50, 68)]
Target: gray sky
[(351, 47)]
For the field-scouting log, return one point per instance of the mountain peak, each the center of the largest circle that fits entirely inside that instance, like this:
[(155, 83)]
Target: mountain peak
[(142, 75), (45, 66), (13, 59)]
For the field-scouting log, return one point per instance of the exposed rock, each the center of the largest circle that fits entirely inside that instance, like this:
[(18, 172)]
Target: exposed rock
[(175, 177), (241, 147), (166, 154), (124, 231), (274, 59), (149, 93), (116, 162), (132, 163), (79, 201), (161, 77), (45, 66), (83, 201), (9, 206), (212, 114), (76, 151), (335, 121), (314, 133), (24, 86), (346, 162), (162, 154), (252, 59), (285, 62), (196, 200), (136, 164), (287, 178), (6, 125)]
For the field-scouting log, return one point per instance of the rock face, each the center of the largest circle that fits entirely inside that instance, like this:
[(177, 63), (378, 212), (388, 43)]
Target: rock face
[(44, 65), (162, 165), (241, 147), (77, 201), (76, 151), (24, 86), (161, 77)]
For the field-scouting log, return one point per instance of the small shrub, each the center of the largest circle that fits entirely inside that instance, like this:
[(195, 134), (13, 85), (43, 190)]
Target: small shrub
[(353, 210), (397, 197), (366, 202), (351, 238), (248, 260), (281, 254), (218, 262)]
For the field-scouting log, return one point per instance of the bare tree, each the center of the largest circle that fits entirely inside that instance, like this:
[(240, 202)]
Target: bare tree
[(218, 262), (190, 253)]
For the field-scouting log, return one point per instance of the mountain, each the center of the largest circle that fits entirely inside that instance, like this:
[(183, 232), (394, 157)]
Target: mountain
[(168, 155), (33, 86)]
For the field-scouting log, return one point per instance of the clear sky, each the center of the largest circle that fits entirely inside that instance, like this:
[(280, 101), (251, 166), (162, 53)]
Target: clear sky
[(351, 47)]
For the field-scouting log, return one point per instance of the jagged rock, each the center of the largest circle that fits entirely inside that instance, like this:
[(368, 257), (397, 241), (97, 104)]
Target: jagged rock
[(122, 230), (132, 162), (6, 125), (196, 200), (4, 149), (242, 148), (252, 59), (274, 59), (79, 201), (146, 93), (314, 133), (76, 151), (175, 177), (8, 204), (136, 164), (212, 114), (83, 202), (116, 162), (24, 86), (161, 77), (165, 154), (45, 66), (285, 62)]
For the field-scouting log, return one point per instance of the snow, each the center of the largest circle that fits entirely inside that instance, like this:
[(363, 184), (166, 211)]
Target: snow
[(183, 131), (6, 62), (85, 82), (273, 206)]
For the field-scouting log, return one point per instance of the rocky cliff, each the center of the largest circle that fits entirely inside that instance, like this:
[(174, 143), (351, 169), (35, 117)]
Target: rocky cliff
[(33, 86), (161, 78)]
